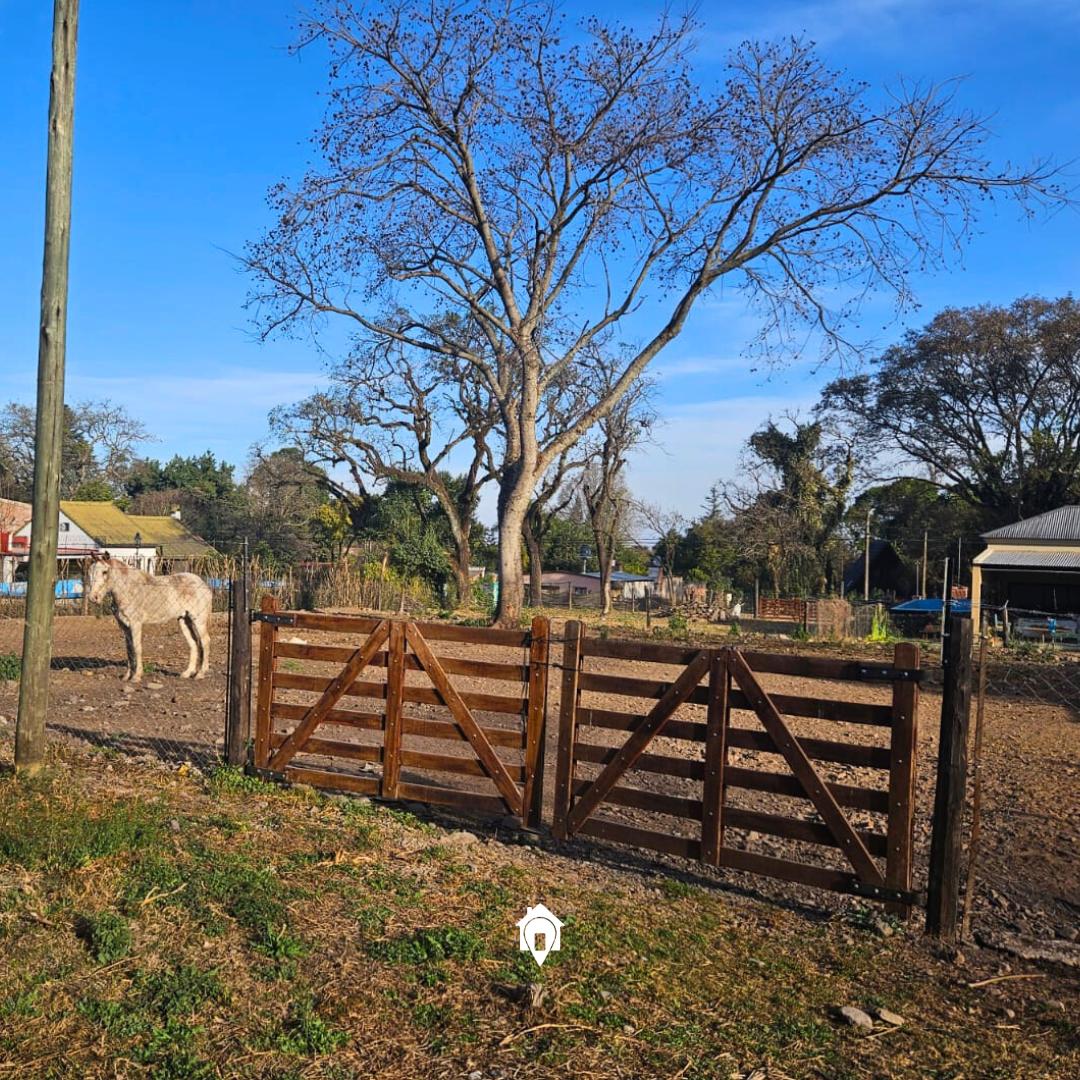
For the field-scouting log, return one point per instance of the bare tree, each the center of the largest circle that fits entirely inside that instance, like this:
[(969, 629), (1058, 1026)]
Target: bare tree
[(545, 185), (604, 493), (411, 419)]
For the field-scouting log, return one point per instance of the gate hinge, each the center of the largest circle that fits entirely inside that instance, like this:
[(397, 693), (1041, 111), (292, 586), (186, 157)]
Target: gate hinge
[(882, 673), (274, 618), (914, 897)]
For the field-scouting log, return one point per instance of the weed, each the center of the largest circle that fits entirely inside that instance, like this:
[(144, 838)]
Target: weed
[(232, 780), (10, 666), (402, 887), (801, 633), (149, 667), (20, 1003), (430, 946), (107, 936), (305, 1032), (677, 890)]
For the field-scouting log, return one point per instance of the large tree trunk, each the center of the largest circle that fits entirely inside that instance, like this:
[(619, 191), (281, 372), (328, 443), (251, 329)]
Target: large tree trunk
[(536, 564), (514, 499), (462, 558), (605, 575)]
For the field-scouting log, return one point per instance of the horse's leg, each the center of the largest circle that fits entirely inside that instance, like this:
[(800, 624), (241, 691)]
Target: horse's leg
[(201, 627), (126, 631), (136, 649), (193, 648)]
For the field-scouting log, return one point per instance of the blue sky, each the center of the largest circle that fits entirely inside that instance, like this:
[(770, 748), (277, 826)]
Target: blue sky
[(186, 112)]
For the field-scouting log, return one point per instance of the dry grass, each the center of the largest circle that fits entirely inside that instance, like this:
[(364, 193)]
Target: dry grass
[(168, 926)]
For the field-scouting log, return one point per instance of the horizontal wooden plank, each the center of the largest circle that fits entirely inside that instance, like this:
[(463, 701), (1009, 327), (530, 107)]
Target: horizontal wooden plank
[(332, 748), (810, 667), (844, 712), (474, 635), (469, 802), (857, 798), (651, 801), (652, 763), (801, 873), (452, 665), (340, 624), (810, 832), (463, 766), (332, 781), (424, 695), (847, 712), (870, 757), (690, 730), (606, 829), (649, 689), (438, 729), (279, 710)]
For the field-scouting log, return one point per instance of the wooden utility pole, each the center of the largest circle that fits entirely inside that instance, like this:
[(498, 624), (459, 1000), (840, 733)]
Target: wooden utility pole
[(925, 557), (866, 559), (49, 430)]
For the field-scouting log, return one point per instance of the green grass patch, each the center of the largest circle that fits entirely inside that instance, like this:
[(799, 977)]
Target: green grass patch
[(41, 829), (232, 780), (304, 1032), (107, 936), (430, 946)]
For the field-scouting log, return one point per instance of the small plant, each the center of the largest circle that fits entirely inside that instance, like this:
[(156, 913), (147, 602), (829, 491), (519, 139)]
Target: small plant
[(430, 946), (304, 1032), (232, 780), (801, 633), (880, 630), (678, 623), (107, 936), (149, 667), (734, 630), (10, 666)]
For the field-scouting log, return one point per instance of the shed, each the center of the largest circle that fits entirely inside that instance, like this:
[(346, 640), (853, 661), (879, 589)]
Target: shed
[(889, 574), (1031, 565)]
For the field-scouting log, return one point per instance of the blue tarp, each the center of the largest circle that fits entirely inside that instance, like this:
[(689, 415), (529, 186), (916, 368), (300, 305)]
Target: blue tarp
[(68, 589), (931, 605)]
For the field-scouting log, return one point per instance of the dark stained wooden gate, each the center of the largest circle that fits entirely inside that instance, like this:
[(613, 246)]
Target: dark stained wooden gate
[(429, 727), (684, 777)]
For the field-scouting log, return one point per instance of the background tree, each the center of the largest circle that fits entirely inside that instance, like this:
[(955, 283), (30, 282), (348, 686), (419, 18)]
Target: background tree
[(480, 162), (100, 440), (409, 418), (789, 508), (984, 401)]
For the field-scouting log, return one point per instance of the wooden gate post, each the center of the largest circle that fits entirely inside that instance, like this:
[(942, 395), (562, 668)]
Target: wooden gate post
[(712, 795), (394, 720), (268, 633), (943, 890), (238, 721), (536, 723), (900, 843), (564, 764)]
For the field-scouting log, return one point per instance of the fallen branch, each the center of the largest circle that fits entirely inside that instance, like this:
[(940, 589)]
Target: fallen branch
[(1001, 978), (541, 1027)]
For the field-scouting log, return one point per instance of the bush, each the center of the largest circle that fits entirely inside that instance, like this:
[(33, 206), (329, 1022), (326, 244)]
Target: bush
[(10, 666)]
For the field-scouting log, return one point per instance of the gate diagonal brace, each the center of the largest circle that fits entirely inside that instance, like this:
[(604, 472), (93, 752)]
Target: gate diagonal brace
[(330, 697), (826, 805)]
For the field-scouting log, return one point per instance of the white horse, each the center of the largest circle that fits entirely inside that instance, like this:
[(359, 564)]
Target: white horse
[(142, 598)]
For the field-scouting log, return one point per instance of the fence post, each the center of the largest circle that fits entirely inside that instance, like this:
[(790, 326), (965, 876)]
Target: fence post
[(238, 714), (712, 796), (945, 846), (536, 723), (903, 742), (564, 763), (395, 689), (267, 662)]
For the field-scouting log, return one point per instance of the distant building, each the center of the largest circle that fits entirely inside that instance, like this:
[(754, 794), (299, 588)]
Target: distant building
[(1031, 565), (889, 574), (87, 528)]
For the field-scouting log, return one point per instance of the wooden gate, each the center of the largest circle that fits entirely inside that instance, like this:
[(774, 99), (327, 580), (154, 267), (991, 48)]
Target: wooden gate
[(685, 778), (415, 706)]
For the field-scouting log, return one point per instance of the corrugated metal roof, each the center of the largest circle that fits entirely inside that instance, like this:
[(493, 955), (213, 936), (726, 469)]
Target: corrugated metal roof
[(1060, 524), (1030, 560)]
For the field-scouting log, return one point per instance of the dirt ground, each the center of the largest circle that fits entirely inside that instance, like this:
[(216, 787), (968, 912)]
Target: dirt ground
[(1028, 887)]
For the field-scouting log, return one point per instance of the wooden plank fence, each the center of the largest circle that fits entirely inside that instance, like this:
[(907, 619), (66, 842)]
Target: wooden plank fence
[(696, 754)]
